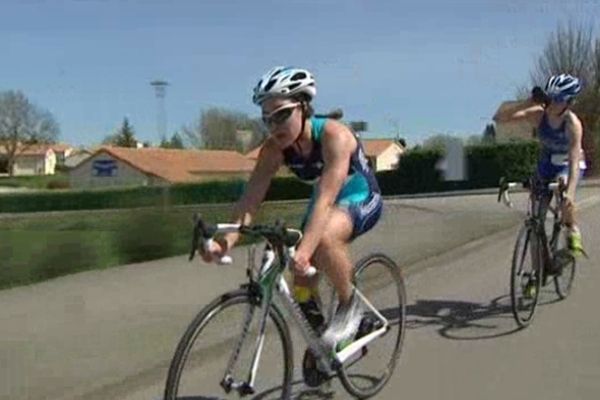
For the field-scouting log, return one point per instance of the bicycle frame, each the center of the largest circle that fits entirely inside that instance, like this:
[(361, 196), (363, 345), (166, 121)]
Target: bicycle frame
[(271, 280), (536, 218)]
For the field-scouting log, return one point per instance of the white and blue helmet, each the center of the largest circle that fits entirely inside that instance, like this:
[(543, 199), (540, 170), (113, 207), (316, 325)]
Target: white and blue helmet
[(284, 82), (563, 87)]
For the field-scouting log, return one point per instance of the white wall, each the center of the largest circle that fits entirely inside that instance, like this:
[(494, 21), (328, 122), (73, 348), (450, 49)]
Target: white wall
[(102, 170), (35, 164), (389, 158)]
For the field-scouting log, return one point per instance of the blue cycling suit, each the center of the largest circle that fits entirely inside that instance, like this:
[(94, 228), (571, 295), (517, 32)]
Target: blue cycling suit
[(360, 195), (554, 156)]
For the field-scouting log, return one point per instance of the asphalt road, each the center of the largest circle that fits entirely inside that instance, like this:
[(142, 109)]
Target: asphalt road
[(111, 334)]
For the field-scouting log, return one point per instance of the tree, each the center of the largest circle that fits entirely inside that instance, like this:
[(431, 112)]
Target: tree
[(474, 140), (218, 128), (489, 134), (125, 136), (568, 50), (110, 139), (401, 141), (439, 141), (23, 124), (572, 49), (176, 142)]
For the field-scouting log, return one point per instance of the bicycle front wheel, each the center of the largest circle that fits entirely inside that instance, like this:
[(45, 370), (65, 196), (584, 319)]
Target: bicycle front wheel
[(230, 325), (380, 280), (526, 276), (564, 263)]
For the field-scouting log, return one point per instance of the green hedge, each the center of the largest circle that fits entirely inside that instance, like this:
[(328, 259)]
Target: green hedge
[(487, 163), (207, 192), (417, 172)]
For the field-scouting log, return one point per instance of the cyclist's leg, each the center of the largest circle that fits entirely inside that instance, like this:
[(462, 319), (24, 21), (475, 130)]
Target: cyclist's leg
[(333, 259), (347, 222), (332, 255), (574, 238)]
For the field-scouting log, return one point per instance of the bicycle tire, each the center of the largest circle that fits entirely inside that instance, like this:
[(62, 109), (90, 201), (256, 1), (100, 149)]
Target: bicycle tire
[(203, 319), (565, 263), (398, 310), (520, 280)]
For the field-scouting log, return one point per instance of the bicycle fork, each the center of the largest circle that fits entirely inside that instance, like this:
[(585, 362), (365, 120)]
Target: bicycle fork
[(228, 383)]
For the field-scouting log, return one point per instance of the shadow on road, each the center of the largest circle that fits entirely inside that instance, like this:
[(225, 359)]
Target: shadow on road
[(464, 320)]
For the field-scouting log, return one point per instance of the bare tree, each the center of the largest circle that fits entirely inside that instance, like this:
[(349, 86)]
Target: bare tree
[(568, 50), (218, 128), (23, 124)]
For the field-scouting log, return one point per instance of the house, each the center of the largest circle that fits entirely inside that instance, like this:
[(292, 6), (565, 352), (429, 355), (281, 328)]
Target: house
[(114, 166), (515, 130), (383, 154), (62, 151), (76, 157), (34, 159)]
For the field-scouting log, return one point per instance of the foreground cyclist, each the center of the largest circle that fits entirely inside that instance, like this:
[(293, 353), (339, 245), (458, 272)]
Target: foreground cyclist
[(559, 131), (346, 200)]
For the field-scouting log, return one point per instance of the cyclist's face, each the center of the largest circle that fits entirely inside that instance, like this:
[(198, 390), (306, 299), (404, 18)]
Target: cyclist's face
[(283, 119), (557, 107)]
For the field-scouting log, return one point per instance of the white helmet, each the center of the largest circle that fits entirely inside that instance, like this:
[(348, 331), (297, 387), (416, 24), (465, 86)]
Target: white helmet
[(563, 87), (286, 82)]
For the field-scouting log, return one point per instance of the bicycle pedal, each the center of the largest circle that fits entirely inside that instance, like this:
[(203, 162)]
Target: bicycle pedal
[(313, 376), (367, 325)]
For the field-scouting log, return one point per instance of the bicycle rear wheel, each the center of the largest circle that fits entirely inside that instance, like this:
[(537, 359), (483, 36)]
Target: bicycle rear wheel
[(526, 276), (380, 280), (203, 353)]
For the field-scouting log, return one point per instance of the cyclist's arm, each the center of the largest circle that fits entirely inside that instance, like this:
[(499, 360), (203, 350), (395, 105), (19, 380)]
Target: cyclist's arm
[(269, 161), (575, 130), (338, 145), (525, 110)]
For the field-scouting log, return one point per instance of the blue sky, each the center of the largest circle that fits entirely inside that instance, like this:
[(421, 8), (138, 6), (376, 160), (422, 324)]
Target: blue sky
[(422, 67)]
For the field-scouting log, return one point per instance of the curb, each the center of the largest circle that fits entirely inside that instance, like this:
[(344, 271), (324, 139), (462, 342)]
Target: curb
[(474, 192)]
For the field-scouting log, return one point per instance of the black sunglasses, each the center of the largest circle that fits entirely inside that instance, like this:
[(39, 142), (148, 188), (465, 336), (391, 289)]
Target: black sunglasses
[(280, 115)]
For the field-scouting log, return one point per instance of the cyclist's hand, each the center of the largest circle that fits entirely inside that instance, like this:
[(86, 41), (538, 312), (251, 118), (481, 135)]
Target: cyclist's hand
[(538, 96), (301, 263), (218, 248)]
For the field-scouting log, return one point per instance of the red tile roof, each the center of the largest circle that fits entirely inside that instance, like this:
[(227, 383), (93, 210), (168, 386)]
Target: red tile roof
[(31, 150), (180, 165)]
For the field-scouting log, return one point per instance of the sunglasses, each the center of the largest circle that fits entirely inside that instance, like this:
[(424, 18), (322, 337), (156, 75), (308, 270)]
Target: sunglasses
[(279, 115)]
